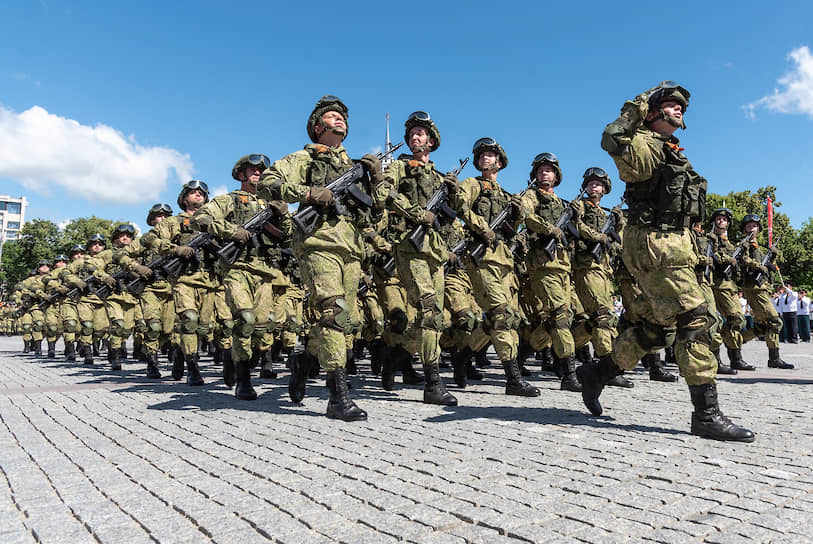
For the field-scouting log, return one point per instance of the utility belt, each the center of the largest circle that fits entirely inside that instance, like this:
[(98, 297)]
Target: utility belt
[(642, 213)]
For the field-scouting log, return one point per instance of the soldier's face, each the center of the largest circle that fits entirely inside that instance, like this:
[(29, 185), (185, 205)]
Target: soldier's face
[(721, 222), (251, 174), (488, 161), (418, 136), (195, 196), (546, 175), (672, 108), (158, 218), (332, 121), (59, 264), (123, 239), (95, 247), (593, 187), (751, 226), (44, 269), (77, 256)]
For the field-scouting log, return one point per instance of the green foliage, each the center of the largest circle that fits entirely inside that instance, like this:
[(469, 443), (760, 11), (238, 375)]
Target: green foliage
[(79, 230)]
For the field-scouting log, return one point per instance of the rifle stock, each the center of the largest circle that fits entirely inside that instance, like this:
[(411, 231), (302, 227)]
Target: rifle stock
[(438, 206)]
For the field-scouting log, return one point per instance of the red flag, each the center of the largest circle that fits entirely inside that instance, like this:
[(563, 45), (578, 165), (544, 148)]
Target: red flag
[(770, 221)]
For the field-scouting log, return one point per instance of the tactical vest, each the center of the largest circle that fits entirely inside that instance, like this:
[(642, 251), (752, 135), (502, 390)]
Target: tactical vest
[(491, 200), (593, 217), (325, 166), (674, 198), (549, 207), (149, 254), (419, 183), (187, 231)]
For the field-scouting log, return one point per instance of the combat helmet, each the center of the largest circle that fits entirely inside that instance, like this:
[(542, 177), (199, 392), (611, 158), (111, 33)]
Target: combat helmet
[(61, 257), (750, 218), (725, 212), (156, 210), (78, 248), (422, 119), (97, 238), (488, 144), (669, 90), (123, 228), (191, 185), (255, 159), (44, 262), (547, 158), (325, 104), (594, 172)]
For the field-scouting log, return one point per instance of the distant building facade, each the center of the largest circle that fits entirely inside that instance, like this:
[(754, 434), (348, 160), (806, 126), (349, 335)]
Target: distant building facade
[(12, 217)]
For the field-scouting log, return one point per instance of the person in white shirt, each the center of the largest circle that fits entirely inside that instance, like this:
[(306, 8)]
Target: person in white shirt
[(803, 316), (789, 300)]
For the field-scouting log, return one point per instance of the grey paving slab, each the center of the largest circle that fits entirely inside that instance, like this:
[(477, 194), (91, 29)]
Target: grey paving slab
[(91, 455)]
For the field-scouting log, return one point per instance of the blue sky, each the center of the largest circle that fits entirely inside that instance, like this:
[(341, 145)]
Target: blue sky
[(108, 107)]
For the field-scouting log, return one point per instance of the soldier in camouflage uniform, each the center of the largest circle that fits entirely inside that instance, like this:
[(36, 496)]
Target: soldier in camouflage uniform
[(766, 320), (665, 197), (53, 321), (330, 256), (69, 314), (408, 184), (31, 293), (479, 200), (250, 281), (193, 290), (725, 291), (552, 314)]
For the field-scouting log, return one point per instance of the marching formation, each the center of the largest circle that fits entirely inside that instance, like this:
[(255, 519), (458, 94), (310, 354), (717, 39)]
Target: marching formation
[(394, 256)]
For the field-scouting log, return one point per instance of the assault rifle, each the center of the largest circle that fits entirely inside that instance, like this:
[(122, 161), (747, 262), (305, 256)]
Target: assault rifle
[(260, 222), (709, 255), (342, 187), (175, 266), (89, 282), (565, 224), (608, 228), (767, 262), (499, 225), (729, 269), (459, 249), (104, 290), (438, 206), (136, 287)]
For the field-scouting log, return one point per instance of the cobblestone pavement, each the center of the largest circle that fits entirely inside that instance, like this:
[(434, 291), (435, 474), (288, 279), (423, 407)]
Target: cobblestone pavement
[(88, 455)]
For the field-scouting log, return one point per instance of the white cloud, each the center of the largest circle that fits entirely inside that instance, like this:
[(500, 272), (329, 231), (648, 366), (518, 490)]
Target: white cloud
[(795, 94), (219, 190), (40, 149)]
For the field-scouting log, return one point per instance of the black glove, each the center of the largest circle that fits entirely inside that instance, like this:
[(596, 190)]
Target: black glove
[(372, 165)]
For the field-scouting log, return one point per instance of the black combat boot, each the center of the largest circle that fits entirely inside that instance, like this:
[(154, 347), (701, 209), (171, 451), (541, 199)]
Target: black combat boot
[(218, 357), (460, 359), (656, 371), (593, 378), (244, 390), (472, 373), (51, 349), (524, 351), (114, 358), (620, 381), (569, 380), (514, 384), (396, 357), (545, 358), (211, 348), (193, 376), (123, 350), (87, 353), (176, 357), (735, 356), (138, 351), (27, 346), (96, 351), (669, 355), (70, 351), (707, 419), (301, 364), (434, 391), (482, 358), (152, 366), (774, 361), (340, 405), (408, 373), (721, 367), (267, 371), (350, 363), (377, 350), (228, 366), (37, 347), (358, 349), (583, 355)]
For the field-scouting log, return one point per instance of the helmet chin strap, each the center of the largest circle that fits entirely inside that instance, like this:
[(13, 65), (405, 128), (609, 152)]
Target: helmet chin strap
[(674, 121), (421, 148)]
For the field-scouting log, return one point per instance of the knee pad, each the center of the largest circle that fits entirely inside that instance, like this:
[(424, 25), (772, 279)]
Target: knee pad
[(87, 328), (117, 328), (140, 326), (189, 322), (69, 325), (774, 325), (694, 325), (38, 326), (465, 320), (653, 337), (26, 328), (734, 322), (334, 314), (52, 329), (503, 318), (226, 327), (563, 317), (431, 315), (153, 331), (245, 323), (398, 321), (605, 319)]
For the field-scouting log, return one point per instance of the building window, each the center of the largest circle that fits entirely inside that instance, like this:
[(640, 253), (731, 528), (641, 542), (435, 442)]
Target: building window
[(13, 225), (11, 235), (13, 208)]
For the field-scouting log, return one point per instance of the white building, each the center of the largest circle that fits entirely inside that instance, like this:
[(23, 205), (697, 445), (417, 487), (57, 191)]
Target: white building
[(12, 217)]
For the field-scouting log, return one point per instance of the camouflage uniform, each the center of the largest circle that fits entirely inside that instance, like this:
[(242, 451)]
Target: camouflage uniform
[(93, 322)]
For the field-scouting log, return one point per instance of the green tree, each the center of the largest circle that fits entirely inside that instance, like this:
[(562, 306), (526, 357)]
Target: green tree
[(79, 230)]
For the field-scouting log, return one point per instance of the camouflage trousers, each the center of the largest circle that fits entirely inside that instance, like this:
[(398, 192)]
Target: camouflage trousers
[(766, 320), (373, 316), (70, 320), (158, 311), (332, 279), (550, 310), (728, 304), (53, 323), (251, 300), (495, 287), (92, 319), (672, 304), (194, 307), (224, 321), (422, 278), (392, 299), (121, 315), (290, 315), (594, 290), (462, 313)]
